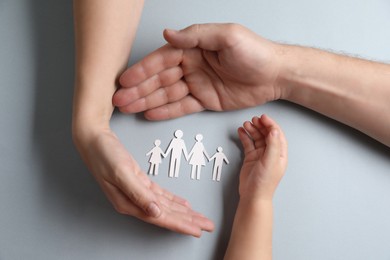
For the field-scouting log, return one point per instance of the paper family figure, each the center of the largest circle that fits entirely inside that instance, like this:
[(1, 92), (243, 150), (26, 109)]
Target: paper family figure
[(176, 148), (196, 157), (155, 157), (219, 158)]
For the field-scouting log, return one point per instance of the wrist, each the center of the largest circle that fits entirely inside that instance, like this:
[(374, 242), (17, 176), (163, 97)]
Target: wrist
[(254, 206), (92, 109), (255, 202), (288, 71), (85, 131)]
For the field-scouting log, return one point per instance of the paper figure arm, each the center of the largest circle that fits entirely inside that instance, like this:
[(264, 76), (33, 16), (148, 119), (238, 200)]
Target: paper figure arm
[(186, 155), (206, 154), (225, 159), (169, 149)]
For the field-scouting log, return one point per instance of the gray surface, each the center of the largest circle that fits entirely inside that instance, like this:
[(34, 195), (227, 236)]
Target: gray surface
[(332, 204)]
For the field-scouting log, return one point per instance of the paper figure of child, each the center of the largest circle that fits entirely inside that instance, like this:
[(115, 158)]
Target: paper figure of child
[(155, 157), (219, 157), (196, 157), (176, 148)]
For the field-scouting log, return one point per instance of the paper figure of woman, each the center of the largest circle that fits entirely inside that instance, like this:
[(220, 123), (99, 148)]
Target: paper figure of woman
[(196, 157)]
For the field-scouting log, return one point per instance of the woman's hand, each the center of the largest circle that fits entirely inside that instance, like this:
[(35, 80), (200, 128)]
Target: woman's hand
[(132, 193)]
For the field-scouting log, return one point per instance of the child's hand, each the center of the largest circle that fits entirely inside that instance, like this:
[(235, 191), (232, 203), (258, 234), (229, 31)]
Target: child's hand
[(265, 149)]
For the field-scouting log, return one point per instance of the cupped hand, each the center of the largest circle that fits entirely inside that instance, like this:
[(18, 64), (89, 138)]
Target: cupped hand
[(205, 66), (133, 193), (265, 149)]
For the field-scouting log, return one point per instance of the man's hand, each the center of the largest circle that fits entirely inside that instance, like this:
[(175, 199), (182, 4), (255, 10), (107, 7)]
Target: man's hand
[(209, 66), (133, 193)]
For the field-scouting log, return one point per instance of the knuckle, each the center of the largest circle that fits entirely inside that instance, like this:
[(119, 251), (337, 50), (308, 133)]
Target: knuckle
[(136, 198), (234, 32), (195, 28)]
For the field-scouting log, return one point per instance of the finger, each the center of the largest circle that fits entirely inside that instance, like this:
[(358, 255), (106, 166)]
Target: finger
[(259, 140), (159, 97), (252, 131), (184, 106), (180, 218), (169, 195), (246, 141), (273, 150), (259, 126), (136, 190), (119, 200), (204, 223), (189, 222), (157, 61), (268, 121), (180, 223), (125, 96), (212, 37)]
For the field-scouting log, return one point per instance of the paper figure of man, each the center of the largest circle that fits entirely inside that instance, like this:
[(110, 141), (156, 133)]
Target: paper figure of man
[(176, 148), (155, 157), (196, 156), (219, 158)]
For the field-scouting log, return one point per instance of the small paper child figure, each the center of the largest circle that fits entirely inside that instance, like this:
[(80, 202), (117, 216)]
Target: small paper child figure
[(176, 148), (196, 157), (219, 158), (155, 157)]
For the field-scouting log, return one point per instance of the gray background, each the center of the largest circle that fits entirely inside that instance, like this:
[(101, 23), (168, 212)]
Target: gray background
[(333, 203)]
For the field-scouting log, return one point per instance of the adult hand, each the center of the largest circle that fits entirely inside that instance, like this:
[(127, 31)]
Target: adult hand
[(265, 149), (205, 66), (132, 192)]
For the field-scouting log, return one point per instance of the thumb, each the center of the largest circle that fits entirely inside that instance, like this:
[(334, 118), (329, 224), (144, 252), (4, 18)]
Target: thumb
[(211, 37), (272, 151), (139, 193)]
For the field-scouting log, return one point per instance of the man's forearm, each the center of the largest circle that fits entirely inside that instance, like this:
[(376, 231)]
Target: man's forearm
[(350, 90), (104, 32)]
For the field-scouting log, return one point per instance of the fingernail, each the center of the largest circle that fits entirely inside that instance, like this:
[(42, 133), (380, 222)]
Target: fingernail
[(171, 31), (153, 210)]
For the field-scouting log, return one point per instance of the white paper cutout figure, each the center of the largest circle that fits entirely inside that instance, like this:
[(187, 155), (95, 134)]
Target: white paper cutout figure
[(176, 148), (196, 157), (219, 158), (155, 157)]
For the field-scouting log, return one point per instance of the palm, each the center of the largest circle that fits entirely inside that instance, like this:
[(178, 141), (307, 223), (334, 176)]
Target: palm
[(252, 166), (222, 83), (125, 185), (173, 82)]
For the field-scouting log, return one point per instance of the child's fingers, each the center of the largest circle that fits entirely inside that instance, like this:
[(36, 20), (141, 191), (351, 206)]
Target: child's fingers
[(259, 126), (262, 132), (283, 148), (252, 131), (273, 148), (246, 141), (269, 123)]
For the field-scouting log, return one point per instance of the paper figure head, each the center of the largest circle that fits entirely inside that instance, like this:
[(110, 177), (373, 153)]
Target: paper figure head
[(219, 149), (157, 142), (199, 137), (178, 134)]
